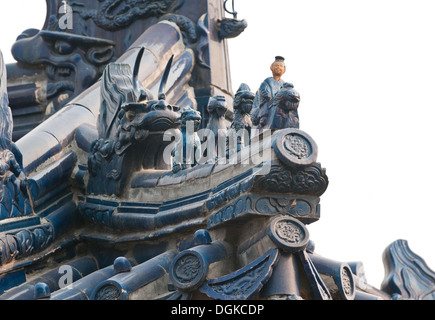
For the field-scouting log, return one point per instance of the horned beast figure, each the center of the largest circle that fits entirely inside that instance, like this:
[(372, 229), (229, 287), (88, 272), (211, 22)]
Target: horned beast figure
[(128, 113), (114, 135)]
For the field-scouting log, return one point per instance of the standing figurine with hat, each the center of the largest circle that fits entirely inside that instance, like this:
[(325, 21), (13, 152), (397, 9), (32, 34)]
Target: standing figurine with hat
[(268, 88)]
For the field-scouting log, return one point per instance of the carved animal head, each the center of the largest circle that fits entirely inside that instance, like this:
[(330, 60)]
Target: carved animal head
[(148, 113), (287, 98), (160, 115), (130, 128), (231, 28), (189, 114), (72, 62), (126, 118), (217, 106)]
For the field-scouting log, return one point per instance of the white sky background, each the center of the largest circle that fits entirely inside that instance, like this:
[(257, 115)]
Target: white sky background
[(365, 70), (366, 74)]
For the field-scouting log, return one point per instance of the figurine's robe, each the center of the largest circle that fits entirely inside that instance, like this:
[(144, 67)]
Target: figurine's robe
[(263, 97)]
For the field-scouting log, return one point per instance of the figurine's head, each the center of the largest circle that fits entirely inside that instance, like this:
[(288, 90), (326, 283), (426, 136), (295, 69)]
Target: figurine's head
[(243, 99), (217, 104), (278, 67), (189, 114), (287, 98)]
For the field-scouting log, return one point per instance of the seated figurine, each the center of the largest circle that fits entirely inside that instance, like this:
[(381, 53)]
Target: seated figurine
[(217, 108), (267, 90), (188, 146), (282, 111), (241, 125), (276, 101)]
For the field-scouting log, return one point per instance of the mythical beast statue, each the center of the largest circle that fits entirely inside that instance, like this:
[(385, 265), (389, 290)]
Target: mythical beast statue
[(127, 116)]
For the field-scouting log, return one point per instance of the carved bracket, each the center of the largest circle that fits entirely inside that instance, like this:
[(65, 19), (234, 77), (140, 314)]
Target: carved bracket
[(304, 209), (244, 283), (309, 181), (21, 243)]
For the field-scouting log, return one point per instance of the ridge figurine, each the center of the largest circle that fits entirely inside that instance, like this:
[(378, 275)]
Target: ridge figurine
[(267, 90), (241, 124)]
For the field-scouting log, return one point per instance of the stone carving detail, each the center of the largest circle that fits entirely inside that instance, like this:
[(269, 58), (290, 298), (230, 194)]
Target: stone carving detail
[(118, 14), (70, 59), (346, 282), (279, 179), (13, 189), (187, 268), (312, 180), (108, 292), (107, 152), (231, 28), (309, 181), (14, 199), (243, 283), (276, 101), (295, 148), (217, 108), (188, 147), (15, 245), (128, 113), (241, 125), (202, 47), (229, 193), (96, 214), (283, 111), (72, 63), (296, 207), (187, 27), (288, 234), (242, 105), (280, 112), (240, 285), (254, 204)]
